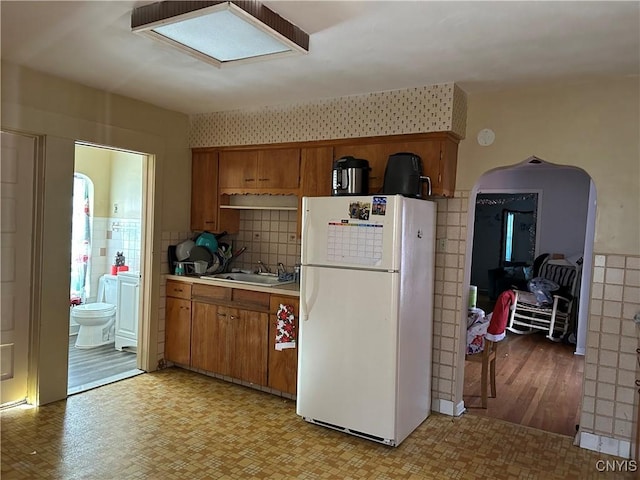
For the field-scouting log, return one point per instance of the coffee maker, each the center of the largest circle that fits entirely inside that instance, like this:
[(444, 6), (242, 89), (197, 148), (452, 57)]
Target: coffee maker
[(350, 176)]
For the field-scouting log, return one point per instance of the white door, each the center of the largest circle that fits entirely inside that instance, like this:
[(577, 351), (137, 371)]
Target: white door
[(17, 175), (348, 337)]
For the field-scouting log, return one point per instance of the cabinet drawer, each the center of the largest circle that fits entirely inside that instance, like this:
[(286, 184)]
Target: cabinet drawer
[(178, 289), (211, 292), (249, 297)]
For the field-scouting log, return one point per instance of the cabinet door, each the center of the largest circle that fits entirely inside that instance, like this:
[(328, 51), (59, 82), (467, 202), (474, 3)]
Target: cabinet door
[(283, 364), (128, 311), (249, 337), (210, 338), (446, 180), (316, 165), (204, 191), (238, 169), (279, 168), (177, 347)]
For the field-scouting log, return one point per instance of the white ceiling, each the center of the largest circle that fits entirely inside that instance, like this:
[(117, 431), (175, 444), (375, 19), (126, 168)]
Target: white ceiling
[(355, 48)]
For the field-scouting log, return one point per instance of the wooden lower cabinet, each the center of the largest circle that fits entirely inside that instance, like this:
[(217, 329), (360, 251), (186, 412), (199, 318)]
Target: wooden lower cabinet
[(229, 332), (283, 364), (209, 338), (230, 341), (249, 352), (177, 347)]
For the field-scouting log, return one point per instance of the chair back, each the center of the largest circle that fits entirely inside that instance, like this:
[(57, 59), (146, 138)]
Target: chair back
[(565, 276)]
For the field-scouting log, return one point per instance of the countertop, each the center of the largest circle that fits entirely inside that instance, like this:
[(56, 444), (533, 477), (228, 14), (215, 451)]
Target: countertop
[(292, 289)]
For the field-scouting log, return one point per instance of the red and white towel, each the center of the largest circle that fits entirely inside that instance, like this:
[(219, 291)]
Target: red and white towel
[(285, 328)]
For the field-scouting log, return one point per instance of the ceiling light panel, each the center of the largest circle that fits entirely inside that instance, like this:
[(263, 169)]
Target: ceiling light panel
[(220, 32)]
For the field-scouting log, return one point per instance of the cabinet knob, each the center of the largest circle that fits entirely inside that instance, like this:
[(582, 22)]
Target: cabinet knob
[(263, 179), (249, 179)]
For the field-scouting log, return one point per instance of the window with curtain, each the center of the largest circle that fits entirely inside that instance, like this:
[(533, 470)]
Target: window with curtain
[(81, 238)]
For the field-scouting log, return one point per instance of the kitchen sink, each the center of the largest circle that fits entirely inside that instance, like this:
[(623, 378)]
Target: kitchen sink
[(249, 279)]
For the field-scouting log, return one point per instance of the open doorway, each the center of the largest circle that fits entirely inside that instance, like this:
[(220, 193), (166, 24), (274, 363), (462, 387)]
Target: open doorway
[(538, 382), (106, 264), (510, 220)]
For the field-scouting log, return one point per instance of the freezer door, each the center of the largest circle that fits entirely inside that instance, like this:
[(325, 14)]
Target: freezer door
[(352, 231), (347, 357)]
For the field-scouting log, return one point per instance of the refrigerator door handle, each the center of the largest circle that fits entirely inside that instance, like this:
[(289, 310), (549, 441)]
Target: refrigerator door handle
[(308, 291), (303, 297)]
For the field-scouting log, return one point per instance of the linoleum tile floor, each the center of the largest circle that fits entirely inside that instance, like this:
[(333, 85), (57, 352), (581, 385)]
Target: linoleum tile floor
[(177, 424)]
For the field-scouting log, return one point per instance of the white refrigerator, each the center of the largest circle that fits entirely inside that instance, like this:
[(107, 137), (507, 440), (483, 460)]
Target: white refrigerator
[(366, 307)]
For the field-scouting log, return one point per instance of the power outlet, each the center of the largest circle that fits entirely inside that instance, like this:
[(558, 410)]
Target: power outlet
[(442, 244)]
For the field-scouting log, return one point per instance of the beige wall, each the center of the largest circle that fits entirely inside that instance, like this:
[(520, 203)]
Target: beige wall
[(593, 125), (126, 184), (96, 164), (65, 112)]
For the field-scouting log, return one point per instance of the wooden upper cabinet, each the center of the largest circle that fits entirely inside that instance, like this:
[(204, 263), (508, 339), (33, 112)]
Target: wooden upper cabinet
[(438, 153), (279, 168), (316, 164), (238, 169), (205, 196), (204, 191), (375, 153), (268, 170), (445, 183)]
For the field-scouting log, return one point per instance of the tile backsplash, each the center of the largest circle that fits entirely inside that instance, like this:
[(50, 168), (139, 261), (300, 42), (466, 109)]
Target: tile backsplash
[(270, 236)]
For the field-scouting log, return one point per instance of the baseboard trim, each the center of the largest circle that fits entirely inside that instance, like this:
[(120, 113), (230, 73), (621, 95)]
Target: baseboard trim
[(602, 444), (447, 407)]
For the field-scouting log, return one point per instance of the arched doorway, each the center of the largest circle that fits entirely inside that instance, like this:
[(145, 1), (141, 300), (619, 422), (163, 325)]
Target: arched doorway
[(527, 393)]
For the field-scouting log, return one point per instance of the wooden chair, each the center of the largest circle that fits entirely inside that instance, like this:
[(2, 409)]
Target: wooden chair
[(488, 359), (492, 332)]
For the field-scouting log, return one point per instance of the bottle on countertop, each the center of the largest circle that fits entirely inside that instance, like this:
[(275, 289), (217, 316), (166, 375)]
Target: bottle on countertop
[(296, 273)]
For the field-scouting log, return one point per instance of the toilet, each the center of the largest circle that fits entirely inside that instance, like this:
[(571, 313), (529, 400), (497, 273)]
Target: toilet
[(97, 320)]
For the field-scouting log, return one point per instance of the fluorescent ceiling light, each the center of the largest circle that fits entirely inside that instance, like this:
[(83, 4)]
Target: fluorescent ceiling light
[(220, 33)]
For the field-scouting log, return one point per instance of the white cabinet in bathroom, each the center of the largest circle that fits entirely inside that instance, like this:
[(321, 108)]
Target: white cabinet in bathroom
[(128, 310)]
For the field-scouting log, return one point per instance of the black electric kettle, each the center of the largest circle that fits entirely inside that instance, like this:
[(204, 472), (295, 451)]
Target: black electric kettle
[(350, 176)]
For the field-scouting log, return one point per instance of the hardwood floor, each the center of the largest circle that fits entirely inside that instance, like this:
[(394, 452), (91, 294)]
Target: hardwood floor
[(538, 384), (94, 367)]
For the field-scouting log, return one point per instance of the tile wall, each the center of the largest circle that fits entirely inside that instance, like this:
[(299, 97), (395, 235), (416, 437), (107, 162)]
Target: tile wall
[(451, 235), (611, 361), (111, 235)]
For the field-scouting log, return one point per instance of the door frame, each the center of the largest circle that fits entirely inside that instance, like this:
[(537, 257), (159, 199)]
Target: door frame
[(143, 359)]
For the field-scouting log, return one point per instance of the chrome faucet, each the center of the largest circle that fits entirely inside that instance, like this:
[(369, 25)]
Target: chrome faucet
[(281, 269), (262, 268)]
